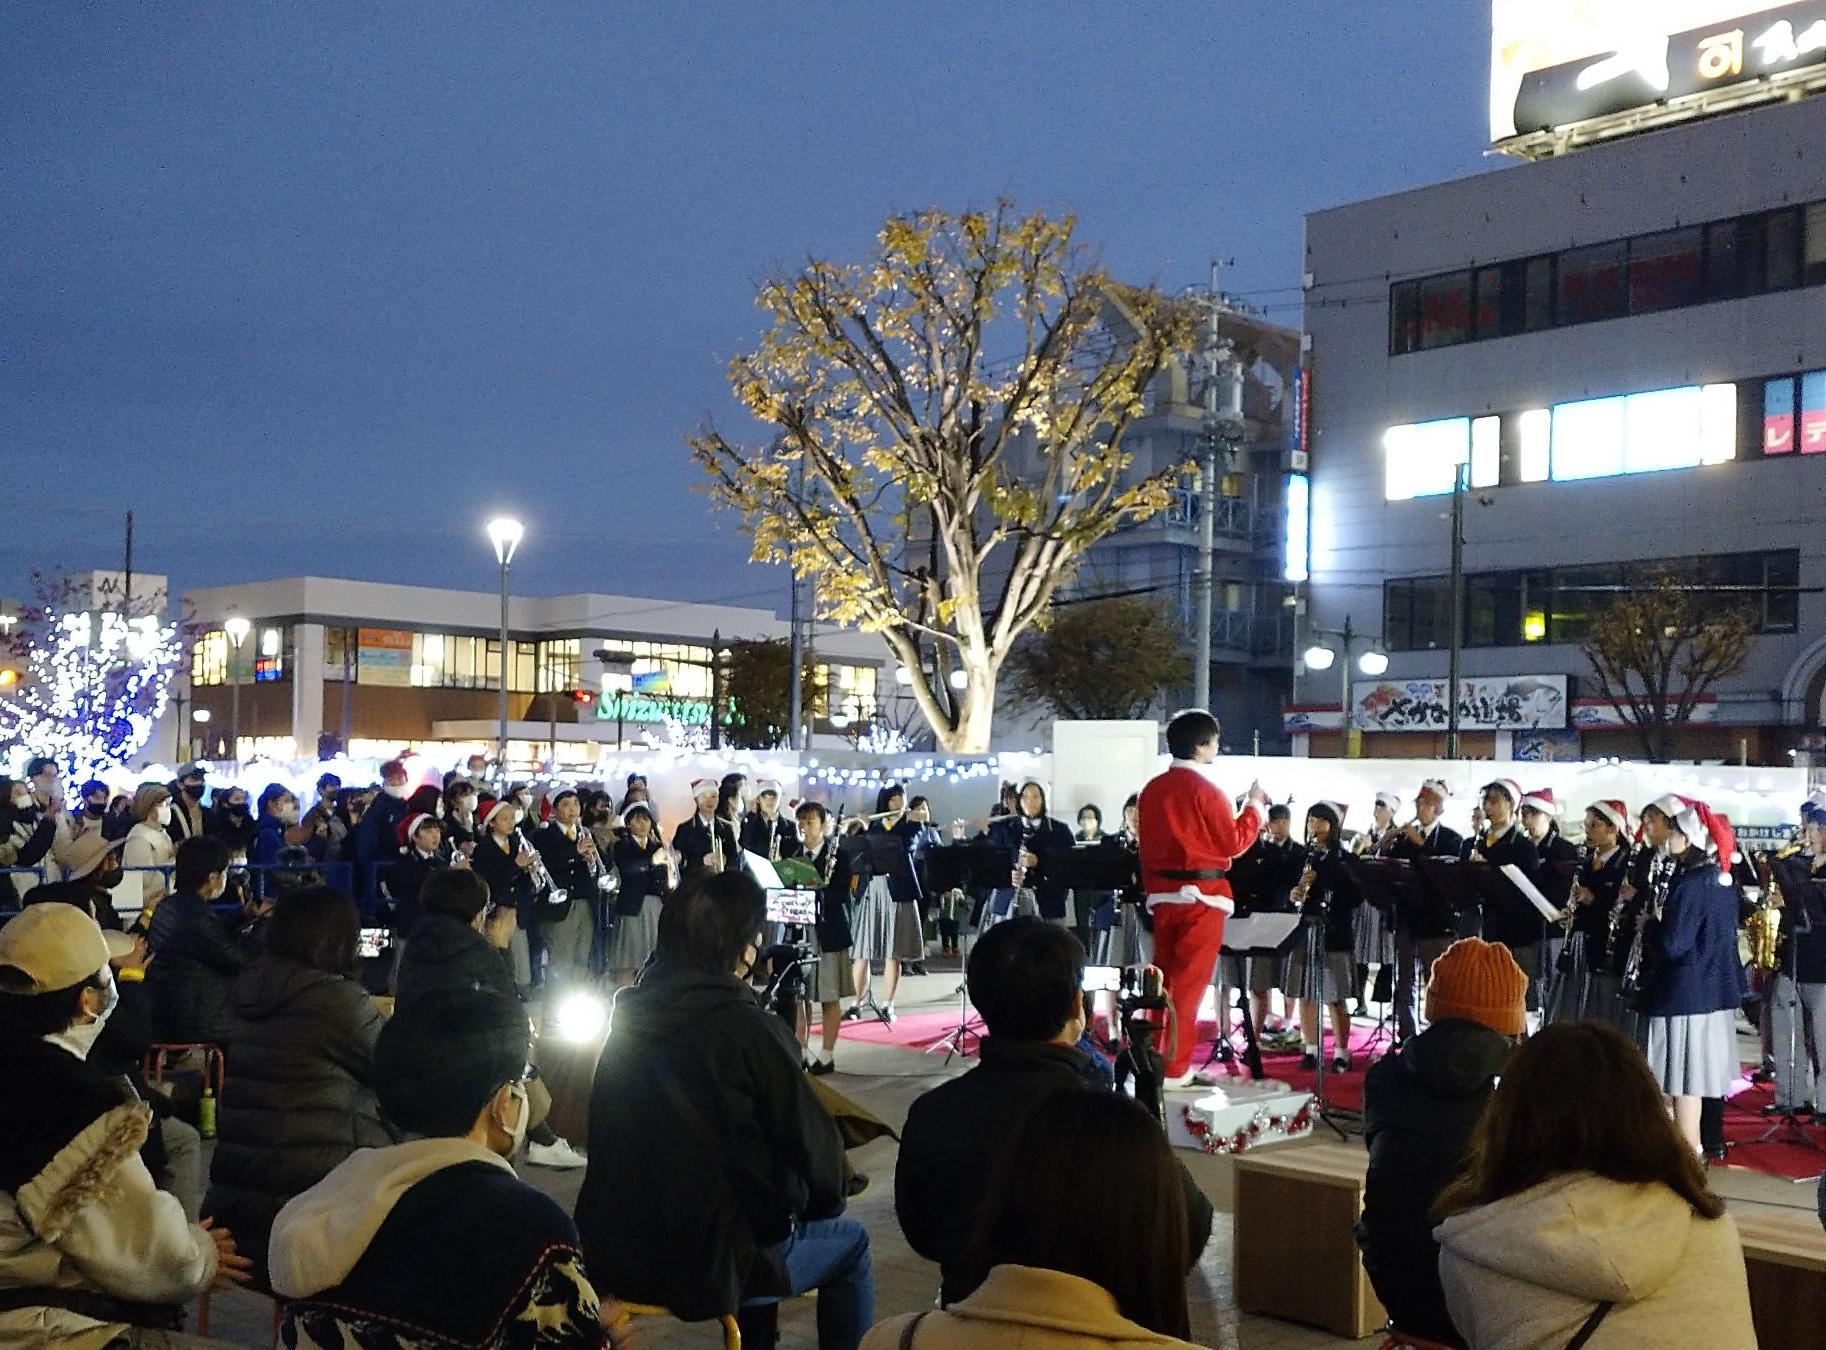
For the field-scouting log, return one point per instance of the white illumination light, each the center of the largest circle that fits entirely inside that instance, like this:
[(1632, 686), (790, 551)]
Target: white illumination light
[(1320, 658), (1298, 538), (269, 642), (1486, 452), (902, 675), (1536, 458), (237, 629), (581, 1017), (958, 679), (505, 533), (1423, 457), (200, 716), (1373, 663)]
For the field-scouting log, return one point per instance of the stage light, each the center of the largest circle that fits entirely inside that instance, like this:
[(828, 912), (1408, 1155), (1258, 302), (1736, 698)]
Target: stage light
[(581, 1017)]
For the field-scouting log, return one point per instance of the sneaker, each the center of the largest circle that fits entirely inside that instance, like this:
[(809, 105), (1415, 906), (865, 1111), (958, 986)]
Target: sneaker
[(887, 1015), (1309, 1062), (557, 1154), (818, 1068), (1180, 1082), (917, 968), (853, 1013), (856, 1185), (1341, 1065)]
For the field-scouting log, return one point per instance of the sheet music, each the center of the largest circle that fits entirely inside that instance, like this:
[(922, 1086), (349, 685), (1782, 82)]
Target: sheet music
[(1258, 931), (1519, 880)]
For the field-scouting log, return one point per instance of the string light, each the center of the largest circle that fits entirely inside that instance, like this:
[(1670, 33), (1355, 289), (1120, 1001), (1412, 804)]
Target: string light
[(98, 686)]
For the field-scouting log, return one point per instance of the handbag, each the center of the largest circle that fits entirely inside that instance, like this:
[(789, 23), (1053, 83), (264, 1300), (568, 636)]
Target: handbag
[(1585, 1333), (906, 1332)]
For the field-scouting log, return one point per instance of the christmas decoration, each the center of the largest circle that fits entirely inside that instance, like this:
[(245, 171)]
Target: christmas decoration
[(1261, 1123), (95, 686)]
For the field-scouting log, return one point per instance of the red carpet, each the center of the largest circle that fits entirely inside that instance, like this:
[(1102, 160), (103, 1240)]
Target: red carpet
[(1744, 1121)]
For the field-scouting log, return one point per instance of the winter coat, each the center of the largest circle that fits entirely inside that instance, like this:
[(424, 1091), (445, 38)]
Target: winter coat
[(895, 862), (192, 980), (1691, 950), (1020, 1308), (1049, 841), (149, 846), (404, 881), (642, 872), (760, 835), (509, 883), (269, 838), (570, 870), (1333, 891), (300, 1098), (1526, 1272), (1419, 1108), (79, 1211), (831, 925), (446, 953), (1508, 924), (366, 1256), (236, 830), (955, 1131), (707, 1145), (692, 840), (28, 841)]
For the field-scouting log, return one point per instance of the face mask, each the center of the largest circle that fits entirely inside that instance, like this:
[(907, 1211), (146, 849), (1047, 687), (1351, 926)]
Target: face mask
[(395, 790), (516, 1135), (94, 809), (194, 791), (162, 818), (83, 1038), (523, 799), (237, 808), (289, 814)]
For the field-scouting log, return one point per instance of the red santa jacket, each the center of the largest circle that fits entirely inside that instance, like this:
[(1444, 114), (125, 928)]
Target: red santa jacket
[(1187, 826)]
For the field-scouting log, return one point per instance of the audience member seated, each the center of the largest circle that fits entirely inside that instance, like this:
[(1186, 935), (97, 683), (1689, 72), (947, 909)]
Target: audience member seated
[(148, 845), (715, 1177), (92, 869), (1025, 978), (1100, 1261), (1582, 1204), (197, 954), (436, 1241), (458, 944), (301, 1097), (1419, 1108), (92, 1253)]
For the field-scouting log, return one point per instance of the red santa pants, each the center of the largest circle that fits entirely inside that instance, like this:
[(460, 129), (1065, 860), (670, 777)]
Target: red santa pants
[(1187, 941)]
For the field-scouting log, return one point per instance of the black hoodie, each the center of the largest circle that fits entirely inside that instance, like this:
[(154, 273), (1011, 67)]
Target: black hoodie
[(1419, 1107), (706, 1146)]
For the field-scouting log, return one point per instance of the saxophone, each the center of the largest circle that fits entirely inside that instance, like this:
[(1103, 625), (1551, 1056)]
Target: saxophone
[(1764, 926)]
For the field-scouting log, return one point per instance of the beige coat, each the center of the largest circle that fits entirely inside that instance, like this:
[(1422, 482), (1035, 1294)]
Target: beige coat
[(1019, 1308), (1525, 1272)]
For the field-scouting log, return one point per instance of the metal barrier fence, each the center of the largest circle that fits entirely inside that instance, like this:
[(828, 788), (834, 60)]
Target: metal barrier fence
[(260, 880)]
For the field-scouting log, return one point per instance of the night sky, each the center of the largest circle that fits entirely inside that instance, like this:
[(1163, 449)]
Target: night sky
[(314, 288)]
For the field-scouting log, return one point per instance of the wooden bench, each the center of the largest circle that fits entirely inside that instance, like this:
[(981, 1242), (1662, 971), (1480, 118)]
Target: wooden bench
[(1785, 1260), (1295, 1251)]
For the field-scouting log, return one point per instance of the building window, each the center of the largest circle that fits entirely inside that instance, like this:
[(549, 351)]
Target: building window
[(1813, 413), (1487, 313), (1404, 318), (1486, 452), (209, 659), (1665, 271), (1538, 294), (1445, 310), (1591, 283), (1423, 458)]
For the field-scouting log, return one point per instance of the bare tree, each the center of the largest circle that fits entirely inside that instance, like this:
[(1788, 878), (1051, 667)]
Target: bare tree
[(1109, 658), (947, 422), (1657, 650)]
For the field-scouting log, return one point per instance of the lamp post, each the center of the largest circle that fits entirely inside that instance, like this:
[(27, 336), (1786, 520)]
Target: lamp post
[(1373, 662), (617, 675), (236, 628), (505, 533)]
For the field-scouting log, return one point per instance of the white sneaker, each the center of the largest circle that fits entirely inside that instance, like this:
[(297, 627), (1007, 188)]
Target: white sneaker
[(558, 1154), (1188, 1079)]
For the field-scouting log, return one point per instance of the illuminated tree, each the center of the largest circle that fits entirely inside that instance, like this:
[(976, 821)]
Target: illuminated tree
[(1656, 650), (95, 685), (947, 424)]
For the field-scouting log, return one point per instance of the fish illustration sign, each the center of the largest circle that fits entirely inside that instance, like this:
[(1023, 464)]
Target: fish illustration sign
[(1520, 703)]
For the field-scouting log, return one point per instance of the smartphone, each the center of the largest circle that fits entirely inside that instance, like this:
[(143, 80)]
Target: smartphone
[(1102, 980), (372, 942)]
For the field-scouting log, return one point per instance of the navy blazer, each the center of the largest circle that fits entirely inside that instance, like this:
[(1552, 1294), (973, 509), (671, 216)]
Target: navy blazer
[(1694, 944)]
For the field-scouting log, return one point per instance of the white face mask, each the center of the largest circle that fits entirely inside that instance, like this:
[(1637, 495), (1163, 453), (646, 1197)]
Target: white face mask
[(516, 1133), (162, 817), (82, 1038), (395, 790), (289, 813)]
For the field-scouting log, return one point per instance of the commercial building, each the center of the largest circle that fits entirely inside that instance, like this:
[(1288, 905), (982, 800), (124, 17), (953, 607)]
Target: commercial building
[(376, 668), (1621, 346)]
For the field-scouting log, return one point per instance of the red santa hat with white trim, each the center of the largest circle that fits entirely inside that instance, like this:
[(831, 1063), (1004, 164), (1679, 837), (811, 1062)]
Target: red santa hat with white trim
[(1390, 800), (1700, 824), (1541, 800), (1614, 811), (1436, 789), (705, 787), (409, 826), (1508, 787), (763, 786), (492, 809)]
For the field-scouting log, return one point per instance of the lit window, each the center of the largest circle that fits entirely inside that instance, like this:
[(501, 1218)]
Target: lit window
[(1661, 430), (1298, 539), (1813, 413), (1423, 458), (1587, 439), (1778, 417), (1536, 459), (1645, 433), (1486, 452), (1718, 424), (1534, 626)]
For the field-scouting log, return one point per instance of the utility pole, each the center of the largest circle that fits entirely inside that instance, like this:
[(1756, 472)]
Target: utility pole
[(1458, 609), (1223, 408), (716, 689), (796, 664)]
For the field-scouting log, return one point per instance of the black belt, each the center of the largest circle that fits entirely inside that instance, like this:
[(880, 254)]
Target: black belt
[(1195, 874), (93, 1304)]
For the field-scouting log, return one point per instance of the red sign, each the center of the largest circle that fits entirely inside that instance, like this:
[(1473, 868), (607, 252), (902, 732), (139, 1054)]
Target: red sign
[(1778, 434), (1813, 432)]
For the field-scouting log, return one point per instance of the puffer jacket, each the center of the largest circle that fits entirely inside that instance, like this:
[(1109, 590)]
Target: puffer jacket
[(446, 953), (299, 1097), (193, 979), (1021, 1308), (1526, 1272), (80, 1217)]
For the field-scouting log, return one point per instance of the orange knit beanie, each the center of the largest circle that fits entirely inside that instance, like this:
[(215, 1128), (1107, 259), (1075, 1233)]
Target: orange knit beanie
[(1480, 982)]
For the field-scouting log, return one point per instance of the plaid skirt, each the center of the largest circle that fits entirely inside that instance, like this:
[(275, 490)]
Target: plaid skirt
[(886, 929)]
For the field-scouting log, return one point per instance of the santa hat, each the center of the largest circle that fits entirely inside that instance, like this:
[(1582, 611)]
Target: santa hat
[(1700, 824), (1508, 787), (409, 826), (492, 809), (1390, 800), (705, 787), (1614, 811), (763, 786), (640, 807), (1436, 789), (1329, 811), (1541, 800)]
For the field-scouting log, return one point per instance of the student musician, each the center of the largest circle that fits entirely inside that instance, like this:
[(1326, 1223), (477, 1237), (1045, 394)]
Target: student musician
[(1035, 843), (832, 979), (1559, 860), (765, 832), (1328, 899), (1419, 943), (1375, 930), (1589, 982), (707, 841), (1797, 991), (1500, 841), (887, 924), (1264, 878)]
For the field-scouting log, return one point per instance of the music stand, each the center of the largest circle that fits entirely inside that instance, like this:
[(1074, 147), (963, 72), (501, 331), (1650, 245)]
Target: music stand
[(959, 867), (1253, 935), (1805, 907), (1399, 890)]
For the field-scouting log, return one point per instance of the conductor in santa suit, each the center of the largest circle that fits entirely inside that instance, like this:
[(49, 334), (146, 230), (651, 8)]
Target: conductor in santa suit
[(1189, 838)]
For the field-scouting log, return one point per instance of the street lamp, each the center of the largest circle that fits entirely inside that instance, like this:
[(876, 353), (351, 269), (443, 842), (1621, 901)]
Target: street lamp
[(237, 629), (618, 677), (1373, 661), (505, 533)]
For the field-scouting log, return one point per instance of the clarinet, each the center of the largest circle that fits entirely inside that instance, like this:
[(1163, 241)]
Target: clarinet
[(1613, 924), (1564, 962), (773, 841), (1661, 872)]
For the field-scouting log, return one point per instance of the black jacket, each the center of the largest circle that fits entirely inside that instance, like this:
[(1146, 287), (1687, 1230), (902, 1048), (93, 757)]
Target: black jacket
[(834, 899), (1265, 873), (1334, 893), (198, 957), (508, 883), (1419, 1107), (570, 871), (1510, 924), (234, 830), (760, 834), (641, 870), (300, 1099), (405, 880), (1603, 880), (446, 953), (1050, 842), (1690, 952), (706, 1146), (955, 1131), (1438, 842), (692, 840), (1559, 862)]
